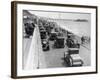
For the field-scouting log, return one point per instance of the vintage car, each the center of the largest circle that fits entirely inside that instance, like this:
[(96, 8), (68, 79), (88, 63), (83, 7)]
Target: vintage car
[(43, 34), (53, 36), (72, 43), (45, 45), (72, 57), (59, 43), (44, 40)]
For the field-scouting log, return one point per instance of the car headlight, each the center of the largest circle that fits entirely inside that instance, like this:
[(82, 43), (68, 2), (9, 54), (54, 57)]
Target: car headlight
[(44, 42)]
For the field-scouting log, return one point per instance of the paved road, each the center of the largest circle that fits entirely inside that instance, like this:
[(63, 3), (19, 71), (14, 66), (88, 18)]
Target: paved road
[(54, 57)]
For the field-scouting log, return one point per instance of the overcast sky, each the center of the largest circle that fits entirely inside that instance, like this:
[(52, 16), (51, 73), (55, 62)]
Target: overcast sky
[(61, 15)]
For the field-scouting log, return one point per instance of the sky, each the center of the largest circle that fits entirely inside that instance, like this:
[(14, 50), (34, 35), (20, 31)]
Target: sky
[(61, 15)]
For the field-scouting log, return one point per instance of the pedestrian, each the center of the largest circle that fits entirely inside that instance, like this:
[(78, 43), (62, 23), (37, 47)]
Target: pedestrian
[(82, 39), (69, 42)]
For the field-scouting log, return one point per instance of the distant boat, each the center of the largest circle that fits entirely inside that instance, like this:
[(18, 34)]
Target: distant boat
[(81, 20)]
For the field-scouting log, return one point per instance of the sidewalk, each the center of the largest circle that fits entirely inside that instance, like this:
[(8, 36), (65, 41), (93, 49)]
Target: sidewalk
[(85, 54)]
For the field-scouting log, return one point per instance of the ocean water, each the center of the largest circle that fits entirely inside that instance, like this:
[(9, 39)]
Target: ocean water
[(78, 28)]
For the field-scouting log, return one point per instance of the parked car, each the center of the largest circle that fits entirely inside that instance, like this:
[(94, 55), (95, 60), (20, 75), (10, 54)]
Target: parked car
[(59, 43), (72, 57), (71, 43), (45, 45), (44, 40), (53, 36), (43, 34)]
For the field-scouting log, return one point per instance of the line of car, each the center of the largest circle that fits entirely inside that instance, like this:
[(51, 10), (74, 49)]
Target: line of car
[(49, 31)]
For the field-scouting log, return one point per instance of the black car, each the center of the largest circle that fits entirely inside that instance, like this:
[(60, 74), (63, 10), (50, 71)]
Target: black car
[(45, 45), (43, 34), (53, 36), (59, 43)]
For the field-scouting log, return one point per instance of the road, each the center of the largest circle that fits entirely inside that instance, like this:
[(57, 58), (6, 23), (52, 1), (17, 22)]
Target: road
[(54, 57)]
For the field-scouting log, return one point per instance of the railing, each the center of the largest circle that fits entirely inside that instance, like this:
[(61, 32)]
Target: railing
[(35, 50)]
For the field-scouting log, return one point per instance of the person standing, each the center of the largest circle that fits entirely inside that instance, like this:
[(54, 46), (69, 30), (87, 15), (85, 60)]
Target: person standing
[(82, 39)]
